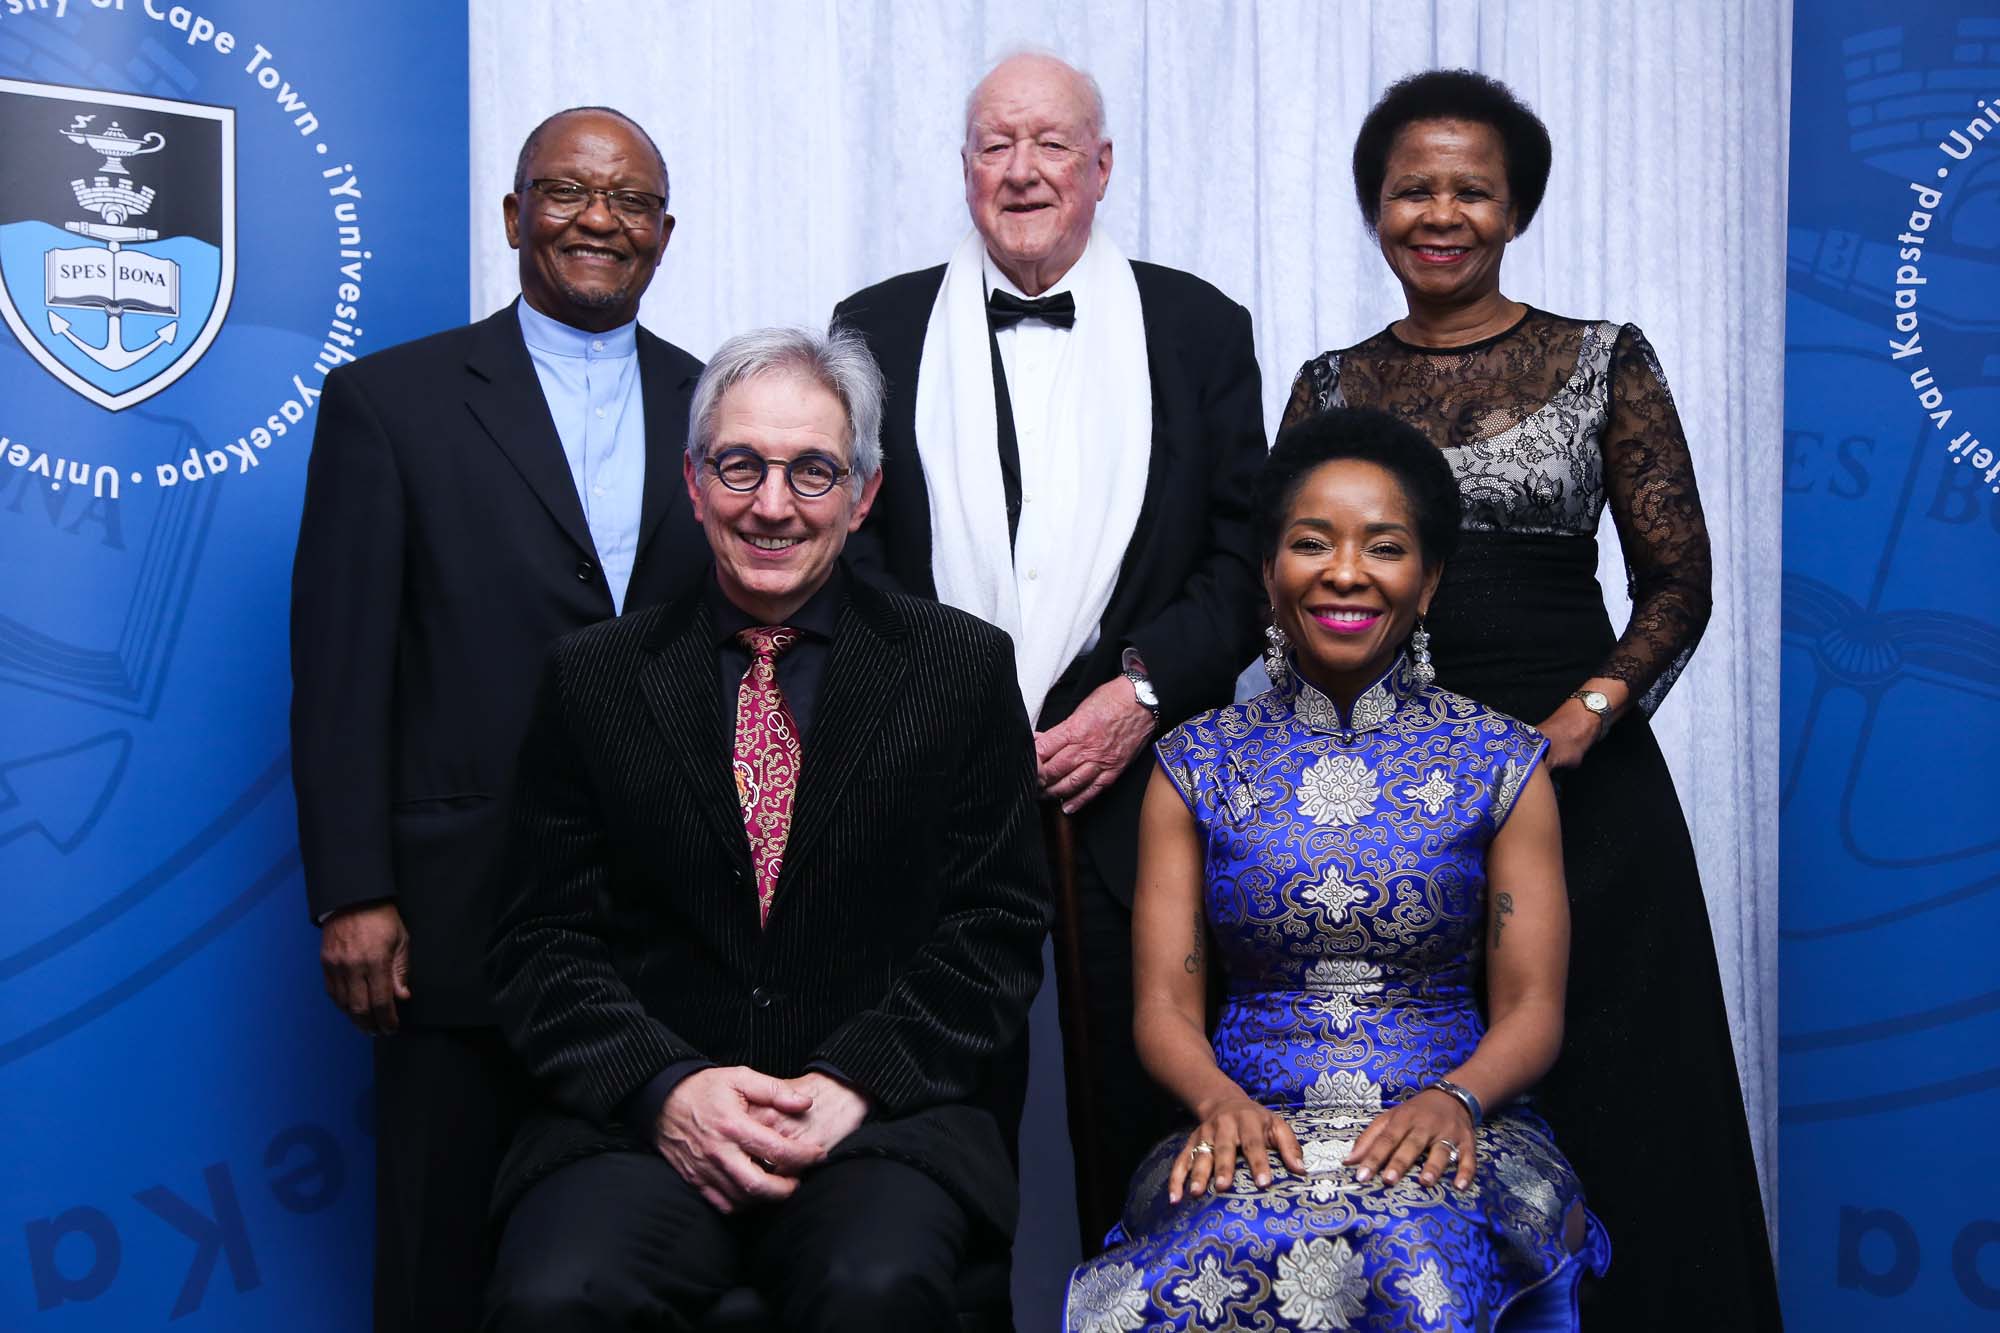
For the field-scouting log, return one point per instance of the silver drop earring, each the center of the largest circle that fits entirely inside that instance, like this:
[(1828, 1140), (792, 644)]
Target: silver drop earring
[(1276, 666), (1420, 647)]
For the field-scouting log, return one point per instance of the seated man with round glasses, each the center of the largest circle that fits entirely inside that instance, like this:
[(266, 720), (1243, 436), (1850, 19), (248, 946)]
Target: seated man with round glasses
[(775, 897)]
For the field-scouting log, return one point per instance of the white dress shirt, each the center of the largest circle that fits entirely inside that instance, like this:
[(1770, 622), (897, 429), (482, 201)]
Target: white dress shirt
[(1029, 353)]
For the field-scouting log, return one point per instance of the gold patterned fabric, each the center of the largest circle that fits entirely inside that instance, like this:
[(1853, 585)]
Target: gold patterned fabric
[(1345, 885), (766, 758)]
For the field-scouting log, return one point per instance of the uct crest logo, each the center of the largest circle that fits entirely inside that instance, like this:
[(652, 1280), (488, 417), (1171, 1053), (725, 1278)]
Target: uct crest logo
[(115, 284)]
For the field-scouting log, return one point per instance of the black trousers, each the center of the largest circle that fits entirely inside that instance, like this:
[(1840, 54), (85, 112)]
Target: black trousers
[(1133, 1113), (620, 1241), (446, 1102)]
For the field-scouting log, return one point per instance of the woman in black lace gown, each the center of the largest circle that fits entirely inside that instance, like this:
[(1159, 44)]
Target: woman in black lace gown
[(1545, 420)]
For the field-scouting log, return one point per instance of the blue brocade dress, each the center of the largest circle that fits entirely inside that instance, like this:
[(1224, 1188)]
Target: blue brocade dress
[(1345, 883)]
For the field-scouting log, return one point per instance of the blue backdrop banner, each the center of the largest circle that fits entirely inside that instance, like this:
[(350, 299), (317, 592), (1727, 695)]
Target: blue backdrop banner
[(1890, 994), (204, 208)]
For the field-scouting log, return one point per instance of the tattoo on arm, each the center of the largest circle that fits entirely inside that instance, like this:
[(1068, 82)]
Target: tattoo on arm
[(1503, 907), (1193, 961)]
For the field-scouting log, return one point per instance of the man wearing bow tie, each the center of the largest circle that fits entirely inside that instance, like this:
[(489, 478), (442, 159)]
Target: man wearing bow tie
[(1068, 449)]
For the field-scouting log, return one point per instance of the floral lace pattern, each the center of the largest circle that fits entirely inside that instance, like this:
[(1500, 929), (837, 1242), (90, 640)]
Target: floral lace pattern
[(1544, 425)]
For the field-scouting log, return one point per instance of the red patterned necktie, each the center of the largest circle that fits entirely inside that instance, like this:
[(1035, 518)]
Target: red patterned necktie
[(766, 757)]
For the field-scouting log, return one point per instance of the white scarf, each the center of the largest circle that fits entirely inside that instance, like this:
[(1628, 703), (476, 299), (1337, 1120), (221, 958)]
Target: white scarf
[(1090, 484)]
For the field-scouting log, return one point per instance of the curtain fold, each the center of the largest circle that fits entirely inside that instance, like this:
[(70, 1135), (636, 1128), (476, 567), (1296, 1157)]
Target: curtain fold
[(813, 150)]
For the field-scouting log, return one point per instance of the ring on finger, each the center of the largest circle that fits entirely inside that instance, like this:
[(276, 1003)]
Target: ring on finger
[(1203, 1146), (1450, 1151)]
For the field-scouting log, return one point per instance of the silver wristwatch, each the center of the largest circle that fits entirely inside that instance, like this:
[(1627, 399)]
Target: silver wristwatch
[(1142, 684), (1598, 702)]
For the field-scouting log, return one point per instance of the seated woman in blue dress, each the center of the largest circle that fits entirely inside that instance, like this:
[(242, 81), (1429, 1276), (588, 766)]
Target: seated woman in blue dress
[(1360, 853)]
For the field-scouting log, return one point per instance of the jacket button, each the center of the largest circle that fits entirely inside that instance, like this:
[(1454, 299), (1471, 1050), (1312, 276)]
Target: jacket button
[(584, 569), (761, 998)]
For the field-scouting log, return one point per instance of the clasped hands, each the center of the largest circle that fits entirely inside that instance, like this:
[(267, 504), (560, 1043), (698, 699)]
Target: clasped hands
[(1422, 1130), (741, 1137), (1081, 755)]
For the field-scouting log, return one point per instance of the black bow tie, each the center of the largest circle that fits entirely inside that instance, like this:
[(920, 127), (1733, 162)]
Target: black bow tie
[(1004, 310)]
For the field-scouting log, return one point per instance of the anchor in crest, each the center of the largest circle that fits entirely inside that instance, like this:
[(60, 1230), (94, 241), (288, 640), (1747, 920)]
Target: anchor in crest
[(111, 278)]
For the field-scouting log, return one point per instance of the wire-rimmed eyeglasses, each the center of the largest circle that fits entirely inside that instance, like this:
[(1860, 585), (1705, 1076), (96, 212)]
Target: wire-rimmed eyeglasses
[(566, 198), (809, 475)]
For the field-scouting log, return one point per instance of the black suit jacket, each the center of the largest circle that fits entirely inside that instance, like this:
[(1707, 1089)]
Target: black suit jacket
[(1189, 590), (904, 939), (442, 550)]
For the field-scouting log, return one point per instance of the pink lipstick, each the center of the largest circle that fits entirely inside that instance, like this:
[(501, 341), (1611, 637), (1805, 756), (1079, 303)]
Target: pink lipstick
[(1346, 619)]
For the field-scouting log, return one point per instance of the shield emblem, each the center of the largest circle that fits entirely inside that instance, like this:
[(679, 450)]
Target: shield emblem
[(117, 234)]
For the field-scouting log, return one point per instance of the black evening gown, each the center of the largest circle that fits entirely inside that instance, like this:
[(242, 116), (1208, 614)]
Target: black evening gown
[(1544, 424)]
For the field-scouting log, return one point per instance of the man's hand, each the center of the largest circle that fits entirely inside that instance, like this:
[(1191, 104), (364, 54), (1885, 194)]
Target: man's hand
[(714, 1130), (1084, 753), (837, 1110), (364, 954)]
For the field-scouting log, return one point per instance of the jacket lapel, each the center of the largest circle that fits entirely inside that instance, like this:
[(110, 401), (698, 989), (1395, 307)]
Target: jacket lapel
[(864, 679), (1167, 387), (664, 393), (679, 684), (506, 398), (1160, 365)]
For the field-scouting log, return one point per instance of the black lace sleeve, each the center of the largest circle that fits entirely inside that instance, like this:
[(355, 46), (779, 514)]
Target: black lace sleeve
[(1649, 481), (1312, 389)]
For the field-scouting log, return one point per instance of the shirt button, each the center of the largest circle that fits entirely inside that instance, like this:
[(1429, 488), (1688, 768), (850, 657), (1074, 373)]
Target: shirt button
[(1033, 574), (597, 490), (597, 344), (600, 414)]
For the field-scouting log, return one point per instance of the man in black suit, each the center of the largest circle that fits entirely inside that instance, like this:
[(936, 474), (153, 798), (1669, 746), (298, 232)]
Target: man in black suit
[(1070, 440), (764, 1011), (471, 496)]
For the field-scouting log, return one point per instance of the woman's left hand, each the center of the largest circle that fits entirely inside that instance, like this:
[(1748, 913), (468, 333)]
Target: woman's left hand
[(1423, 1130), (1572, 729)]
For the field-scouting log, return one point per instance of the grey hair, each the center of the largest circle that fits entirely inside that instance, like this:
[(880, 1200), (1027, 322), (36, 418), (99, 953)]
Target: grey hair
[(1099, 129), (838, 361)]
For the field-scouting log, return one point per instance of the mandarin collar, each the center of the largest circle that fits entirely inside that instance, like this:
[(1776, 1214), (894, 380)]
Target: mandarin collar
[(556, 338), (1373, 707)]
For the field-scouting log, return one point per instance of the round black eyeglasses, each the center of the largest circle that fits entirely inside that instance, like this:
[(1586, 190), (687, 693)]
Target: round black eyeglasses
[(809, 475)]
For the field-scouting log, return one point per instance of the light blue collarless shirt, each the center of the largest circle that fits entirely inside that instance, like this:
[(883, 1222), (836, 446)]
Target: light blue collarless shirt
[(591, 384)]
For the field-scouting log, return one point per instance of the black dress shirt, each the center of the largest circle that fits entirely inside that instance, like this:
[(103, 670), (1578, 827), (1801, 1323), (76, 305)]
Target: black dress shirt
[(800, 669)]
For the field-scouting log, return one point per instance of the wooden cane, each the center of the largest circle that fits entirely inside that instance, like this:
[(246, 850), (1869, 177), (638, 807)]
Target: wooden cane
[(1079, 1052)]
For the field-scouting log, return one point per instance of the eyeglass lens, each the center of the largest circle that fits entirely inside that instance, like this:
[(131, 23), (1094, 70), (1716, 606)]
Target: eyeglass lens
[(563, 197), (809, 475)]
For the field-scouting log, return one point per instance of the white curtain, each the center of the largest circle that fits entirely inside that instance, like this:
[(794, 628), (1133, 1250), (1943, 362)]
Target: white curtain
[(813, 150)]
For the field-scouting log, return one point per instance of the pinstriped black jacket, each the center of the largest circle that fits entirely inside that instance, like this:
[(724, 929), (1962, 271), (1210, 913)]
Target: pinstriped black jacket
[(904, 941)]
